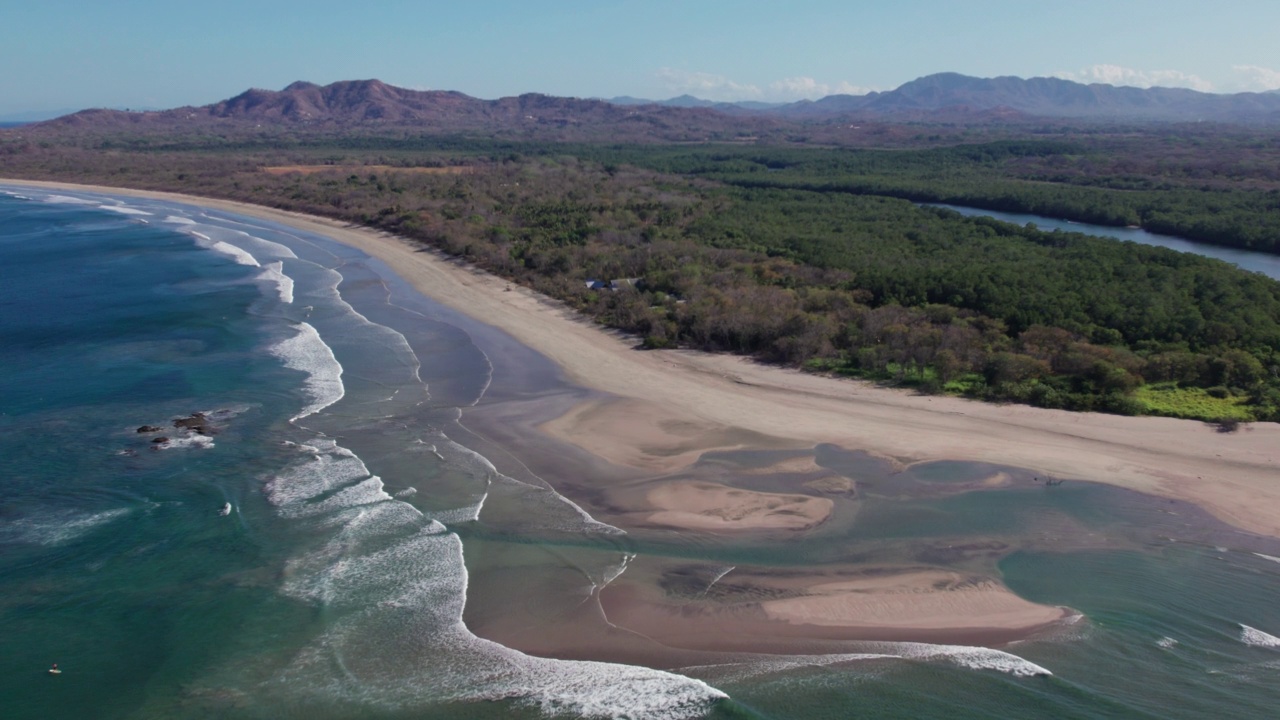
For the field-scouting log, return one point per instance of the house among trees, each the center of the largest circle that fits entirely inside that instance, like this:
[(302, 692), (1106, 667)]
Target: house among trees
[(616, 284)]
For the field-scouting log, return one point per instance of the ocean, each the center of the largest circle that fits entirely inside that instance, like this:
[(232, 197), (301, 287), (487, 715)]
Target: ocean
[(239, 481)]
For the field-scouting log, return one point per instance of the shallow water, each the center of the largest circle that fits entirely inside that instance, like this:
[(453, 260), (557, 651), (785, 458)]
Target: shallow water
[(367, 524)]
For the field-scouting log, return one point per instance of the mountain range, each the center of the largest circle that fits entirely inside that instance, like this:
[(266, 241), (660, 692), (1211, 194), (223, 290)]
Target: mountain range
[(1045, 97), (942, 98)]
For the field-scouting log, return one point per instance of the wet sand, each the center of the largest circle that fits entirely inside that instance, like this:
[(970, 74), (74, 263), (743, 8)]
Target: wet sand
[(712, 507), (652, 415), (754, 609)]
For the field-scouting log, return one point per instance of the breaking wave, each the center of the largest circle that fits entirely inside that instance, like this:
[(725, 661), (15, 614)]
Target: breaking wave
[(274, 272), (974, 658), (67, 200), (237, 254), (1256, 638), (124, 210), (307, 352), (396, 583)]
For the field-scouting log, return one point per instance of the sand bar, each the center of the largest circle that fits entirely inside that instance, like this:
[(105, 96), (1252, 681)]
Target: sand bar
[(667, 397), (790, 612), (720, 508), (920, 600)]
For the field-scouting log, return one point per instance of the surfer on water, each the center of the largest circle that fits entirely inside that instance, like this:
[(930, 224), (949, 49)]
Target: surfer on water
[(54, 670)]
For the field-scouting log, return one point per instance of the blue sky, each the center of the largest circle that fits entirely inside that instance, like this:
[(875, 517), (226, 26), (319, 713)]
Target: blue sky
[(58, 54)]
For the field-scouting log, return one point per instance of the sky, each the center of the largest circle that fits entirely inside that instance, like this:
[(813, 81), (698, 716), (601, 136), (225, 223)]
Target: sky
[(58, 55)]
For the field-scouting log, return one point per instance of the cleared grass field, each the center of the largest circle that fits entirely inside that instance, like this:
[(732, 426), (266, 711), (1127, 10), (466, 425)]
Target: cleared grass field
[(1192, 403)]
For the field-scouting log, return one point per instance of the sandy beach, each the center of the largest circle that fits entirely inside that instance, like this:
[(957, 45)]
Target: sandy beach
[(657, 412)]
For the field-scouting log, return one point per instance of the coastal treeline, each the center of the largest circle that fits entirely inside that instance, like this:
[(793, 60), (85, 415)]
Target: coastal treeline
[(743, 250), (1217, 190)]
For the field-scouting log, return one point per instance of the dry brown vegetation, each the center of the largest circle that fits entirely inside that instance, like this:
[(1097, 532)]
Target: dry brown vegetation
[(309, 169)]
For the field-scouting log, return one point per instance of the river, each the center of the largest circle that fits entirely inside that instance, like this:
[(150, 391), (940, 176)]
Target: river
[(1264, 263)]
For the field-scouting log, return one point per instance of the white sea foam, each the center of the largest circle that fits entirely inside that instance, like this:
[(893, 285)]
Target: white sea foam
[(193, 440), (68, 200), (262, 247), (274, 272), (57, 527), (241, 256), (976, 658), (398, 366), (757, 666), (365, 492), (417, 629), (237, 254), (394, 583), (1272, 558), (1257, 638), (318, 475), (242, 247), (123, 210), (308, 353), (1167, 643), (258, 247), (603, 690), (179, 220)]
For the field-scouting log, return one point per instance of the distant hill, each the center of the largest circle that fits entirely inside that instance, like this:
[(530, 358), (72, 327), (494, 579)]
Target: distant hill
[(951, 94), (33, 116), (371, 104), (960, 100)]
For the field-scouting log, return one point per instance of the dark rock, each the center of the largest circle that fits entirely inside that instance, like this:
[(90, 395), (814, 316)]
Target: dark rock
[(148, 429), (195, 420), (160, 439)]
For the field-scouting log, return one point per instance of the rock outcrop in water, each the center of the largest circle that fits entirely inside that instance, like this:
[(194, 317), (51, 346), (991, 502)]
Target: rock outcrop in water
[(194, 430), (196, 422)]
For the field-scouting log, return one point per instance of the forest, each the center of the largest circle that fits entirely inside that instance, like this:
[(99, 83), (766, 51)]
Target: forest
[(819, 256)]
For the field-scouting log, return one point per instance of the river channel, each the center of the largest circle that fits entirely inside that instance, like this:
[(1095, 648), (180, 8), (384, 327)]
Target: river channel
[(1264, 263)]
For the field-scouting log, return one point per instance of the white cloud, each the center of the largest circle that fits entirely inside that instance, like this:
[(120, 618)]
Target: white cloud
[(710, 86), (1257, 78), (1117, 75), (707, 86), (797, 88)]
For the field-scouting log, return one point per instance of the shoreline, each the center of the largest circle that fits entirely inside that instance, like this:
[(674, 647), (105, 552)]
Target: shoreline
[(656, 412), (1236, 476)]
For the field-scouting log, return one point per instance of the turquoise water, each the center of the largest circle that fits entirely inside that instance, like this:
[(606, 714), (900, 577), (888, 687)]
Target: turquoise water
[(363, 520)]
